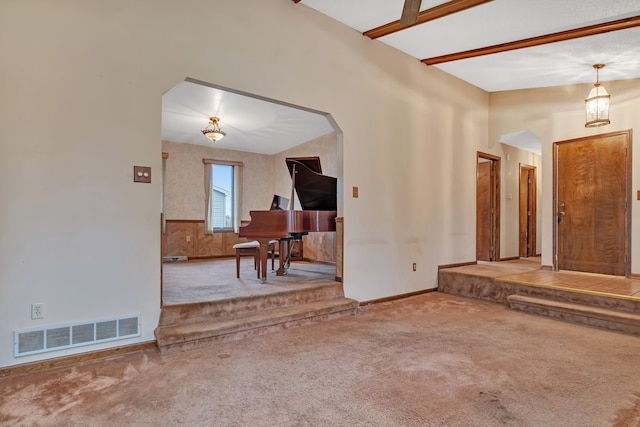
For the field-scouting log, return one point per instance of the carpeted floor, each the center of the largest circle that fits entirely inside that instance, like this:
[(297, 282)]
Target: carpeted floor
[(429, 360), (215, 279)]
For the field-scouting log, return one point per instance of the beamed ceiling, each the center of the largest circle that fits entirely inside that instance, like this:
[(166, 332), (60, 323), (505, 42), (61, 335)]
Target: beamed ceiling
[(495, 45), (505, 44)]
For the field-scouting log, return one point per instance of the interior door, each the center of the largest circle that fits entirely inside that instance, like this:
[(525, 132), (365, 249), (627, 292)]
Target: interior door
[(592, 179), (487, 208), (527, 211)]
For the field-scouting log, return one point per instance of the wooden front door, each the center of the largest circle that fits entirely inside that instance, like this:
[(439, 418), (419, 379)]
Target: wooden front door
[(487, 208), (527, 211), (592, 181)]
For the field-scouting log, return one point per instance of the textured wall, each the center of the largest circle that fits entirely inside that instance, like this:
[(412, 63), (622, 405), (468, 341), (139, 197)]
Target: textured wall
[(184, 180), (263, 175), (409, 136)]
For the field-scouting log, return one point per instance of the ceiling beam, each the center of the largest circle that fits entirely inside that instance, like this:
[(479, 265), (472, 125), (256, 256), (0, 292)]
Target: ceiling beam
[(436, 12), (592, 30)]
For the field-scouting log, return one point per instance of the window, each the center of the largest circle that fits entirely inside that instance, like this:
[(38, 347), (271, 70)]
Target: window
[(222, 195)]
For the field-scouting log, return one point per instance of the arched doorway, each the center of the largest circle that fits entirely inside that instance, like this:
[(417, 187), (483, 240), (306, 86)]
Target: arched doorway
[(260, 133)]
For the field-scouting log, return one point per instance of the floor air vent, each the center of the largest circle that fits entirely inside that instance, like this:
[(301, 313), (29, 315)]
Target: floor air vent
[(175, 258), (33, 341)]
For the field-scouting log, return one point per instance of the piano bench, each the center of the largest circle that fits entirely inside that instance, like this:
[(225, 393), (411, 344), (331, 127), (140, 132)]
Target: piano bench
[(253, 248), (247, 248)]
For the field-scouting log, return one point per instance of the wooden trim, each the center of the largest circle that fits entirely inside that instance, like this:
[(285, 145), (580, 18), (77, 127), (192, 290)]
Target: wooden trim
[(185, 221), (163, 248), (221, 162), (440, 11), (511, 258), (528, 242), (74, 358), (547, 267), (165, 155), (591, 30), (339, 249), (460, 264), (211, 257), (317, 261), (396, 297), (496, 201), (635, 276)]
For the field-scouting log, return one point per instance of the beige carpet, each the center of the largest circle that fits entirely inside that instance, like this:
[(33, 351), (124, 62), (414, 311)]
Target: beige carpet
[(430, 360), (215, 279)]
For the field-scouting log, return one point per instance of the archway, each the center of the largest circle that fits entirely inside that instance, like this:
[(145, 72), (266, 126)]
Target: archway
[(260, 133)]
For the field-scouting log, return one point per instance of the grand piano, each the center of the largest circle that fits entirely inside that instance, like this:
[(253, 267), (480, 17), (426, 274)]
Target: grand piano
[(317, 196)]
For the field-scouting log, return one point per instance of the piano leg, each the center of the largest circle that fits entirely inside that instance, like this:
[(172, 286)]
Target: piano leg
[(264, 244), (284, 258)]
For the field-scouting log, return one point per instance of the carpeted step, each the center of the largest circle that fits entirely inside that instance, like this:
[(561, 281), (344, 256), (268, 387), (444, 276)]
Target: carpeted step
[(578, 313), (186, 336), (459, 282), (230, 308)]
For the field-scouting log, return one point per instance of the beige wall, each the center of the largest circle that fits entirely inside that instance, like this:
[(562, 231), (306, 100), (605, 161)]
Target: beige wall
[(325, 147), (557, 114), (184, 179), (82, 86), (262, 175)]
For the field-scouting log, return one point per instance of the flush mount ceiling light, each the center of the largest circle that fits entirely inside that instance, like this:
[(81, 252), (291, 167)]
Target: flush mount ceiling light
[(212, 131), (597, 103)]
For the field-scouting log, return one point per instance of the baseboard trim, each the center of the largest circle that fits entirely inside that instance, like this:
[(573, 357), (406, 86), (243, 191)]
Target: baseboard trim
[(74, 358), (396, 297), (546, 267), (460, 264), (511, 258)]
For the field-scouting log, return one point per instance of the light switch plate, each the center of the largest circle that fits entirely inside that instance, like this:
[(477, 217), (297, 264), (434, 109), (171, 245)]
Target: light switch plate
[(142, 174)]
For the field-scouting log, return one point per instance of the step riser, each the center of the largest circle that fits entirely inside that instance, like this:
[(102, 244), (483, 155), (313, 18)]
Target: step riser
[(173, 334), (235, 336), (497, 290), (592, 309), (236, 307), (596, 320), (465, 285)]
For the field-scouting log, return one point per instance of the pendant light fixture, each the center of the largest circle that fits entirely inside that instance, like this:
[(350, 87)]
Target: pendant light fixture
[(597, 103), (212, 131)]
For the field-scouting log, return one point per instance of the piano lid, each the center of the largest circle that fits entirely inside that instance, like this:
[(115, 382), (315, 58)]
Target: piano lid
[(315, 191)]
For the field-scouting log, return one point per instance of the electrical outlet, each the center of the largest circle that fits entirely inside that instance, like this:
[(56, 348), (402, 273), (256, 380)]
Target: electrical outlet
[(188, 238), (37, 310), (414, 266)]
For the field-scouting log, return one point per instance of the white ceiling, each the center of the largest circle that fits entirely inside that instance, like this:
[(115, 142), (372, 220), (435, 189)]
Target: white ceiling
[(265, 126), (503, 21), (253, 124)]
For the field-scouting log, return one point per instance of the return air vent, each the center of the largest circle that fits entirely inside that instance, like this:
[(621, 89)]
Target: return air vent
[(175, 258), (33, 341)]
